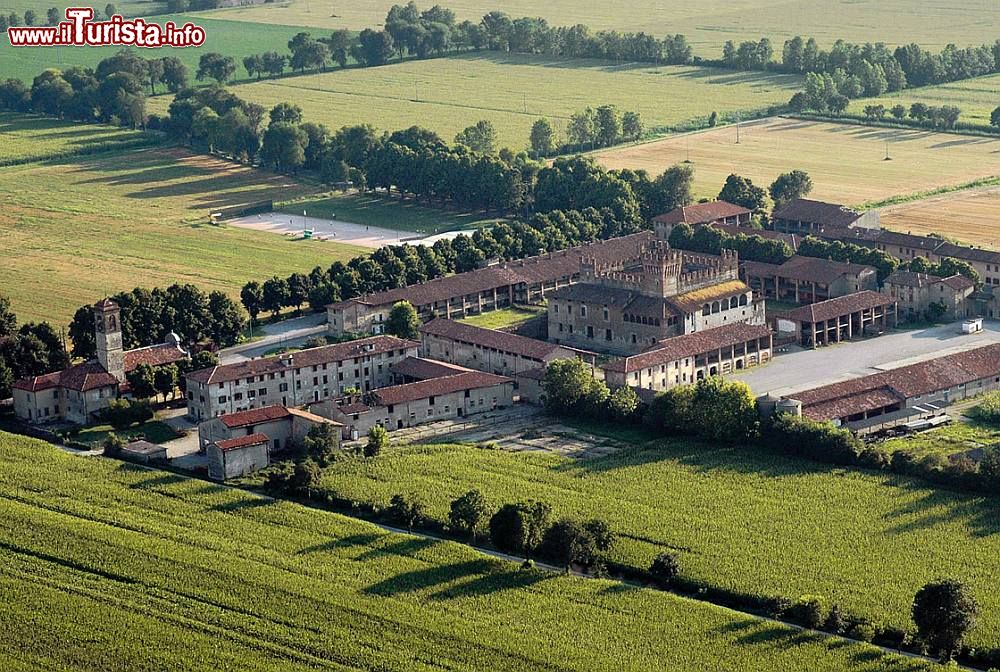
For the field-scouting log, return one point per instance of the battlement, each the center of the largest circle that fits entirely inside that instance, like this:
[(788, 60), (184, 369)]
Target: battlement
[(660, 270)]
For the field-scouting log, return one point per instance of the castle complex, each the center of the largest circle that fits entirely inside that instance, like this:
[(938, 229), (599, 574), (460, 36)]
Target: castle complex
[(626, 307)]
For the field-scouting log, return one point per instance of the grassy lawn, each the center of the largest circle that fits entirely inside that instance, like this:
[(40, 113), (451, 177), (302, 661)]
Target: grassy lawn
[(232, 38), (508, 317), (513, 91), (761, 524), (954, 439), (977, 98), (846, 162), (153, 431), (33, 138), (386, 213), (90, 227), (706, 24), (209, 578)]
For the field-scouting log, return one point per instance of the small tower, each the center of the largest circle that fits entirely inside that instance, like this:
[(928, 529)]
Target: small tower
[(108, 335)]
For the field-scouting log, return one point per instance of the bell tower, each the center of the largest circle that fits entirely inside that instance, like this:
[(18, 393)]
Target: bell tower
[(108, 335)]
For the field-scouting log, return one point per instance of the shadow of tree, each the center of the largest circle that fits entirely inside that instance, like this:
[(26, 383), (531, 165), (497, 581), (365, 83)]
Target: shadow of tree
[(427, 577), (407, 546), (351, 541), (241, 505)]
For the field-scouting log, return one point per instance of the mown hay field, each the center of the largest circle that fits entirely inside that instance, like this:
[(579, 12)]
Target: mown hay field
[(706, 24), (108, 566), (846, 161), (757, 524), (977, 98), (513, 91), (972, 216), (32, 138), (74, 231), (232, 38)]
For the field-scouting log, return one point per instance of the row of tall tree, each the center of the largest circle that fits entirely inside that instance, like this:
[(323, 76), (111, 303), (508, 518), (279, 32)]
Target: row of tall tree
[(52, 17), (945, 116), (149, 315)]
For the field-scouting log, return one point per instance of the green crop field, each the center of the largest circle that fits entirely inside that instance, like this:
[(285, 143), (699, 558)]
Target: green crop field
[(387, 213), (977, 98), (74, 231), (706, 24), (108, 566), (232, 38), (512, 91), (32, 138), (845, 161), (757, 524), (126, 8)]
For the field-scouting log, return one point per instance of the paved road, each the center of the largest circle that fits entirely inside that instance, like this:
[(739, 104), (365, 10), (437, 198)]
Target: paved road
[(287, 333), (338, 231), (804, 369)]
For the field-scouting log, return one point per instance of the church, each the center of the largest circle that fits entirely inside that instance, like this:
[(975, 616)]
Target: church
[(79, 394), (628, 307)]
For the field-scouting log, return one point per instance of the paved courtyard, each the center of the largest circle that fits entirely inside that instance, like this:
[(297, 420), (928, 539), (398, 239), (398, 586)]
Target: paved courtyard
[(336, 230), (800, 369)]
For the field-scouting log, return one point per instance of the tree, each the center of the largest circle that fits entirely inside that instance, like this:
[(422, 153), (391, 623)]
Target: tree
[(322, 295), (8, 320), (339, 43), (898, 112), (570, 388), (30, 17), (631, 126), (322, 442), (273, 62), (252, 298), (403, 320), (216, 66), (582, 127), (624, 404), (409, 511), (741, 191), (518, 528), (142, 380), (479, 138), (468, 512), (378, 441), (995, 117), (110, 10), (175, 73), (165, 379), (664, 569), (789, 186), (944, 611), (284, 146), (6, 379), (543, 137), (254, 65), (570, 542), (53, 16), (113, 445), (305, 477), (838, 103), (374, 47), (274, 295), (608, 125)]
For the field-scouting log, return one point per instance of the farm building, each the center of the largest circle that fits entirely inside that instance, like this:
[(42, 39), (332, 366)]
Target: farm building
[(526, 281), (431, 400), (700, 214), (624, 308), (900, 395), (284, 427), (239, 456), (805, 216), (916, 293), (490, 350), (79, 394), (297, 378), (415, 369), (844, 318), (808, 279), (689, 358)]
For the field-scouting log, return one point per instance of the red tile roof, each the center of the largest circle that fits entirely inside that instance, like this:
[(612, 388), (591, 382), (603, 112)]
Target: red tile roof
[(911, 279), (543, 268), (311, 357), (689, 345), (490, 338), (434, 387), (840, 400), (242, 442), (702, 213), (254, 416), (82, 378), (154, 355), (425, 369), (817, 212), (807, 269), (842, 305)]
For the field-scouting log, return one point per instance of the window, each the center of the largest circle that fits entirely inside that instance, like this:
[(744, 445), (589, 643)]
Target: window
[(431, 401), (607, 334), (251, 394), (238, 396), (590, 332), (606, 316), (222, 399), (283, 387), (583, 311)]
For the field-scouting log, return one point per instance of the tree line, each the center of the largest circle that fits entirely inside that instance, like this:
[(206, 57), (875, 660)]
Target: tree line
[(149, 315), (52, 17), (114, 92)]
